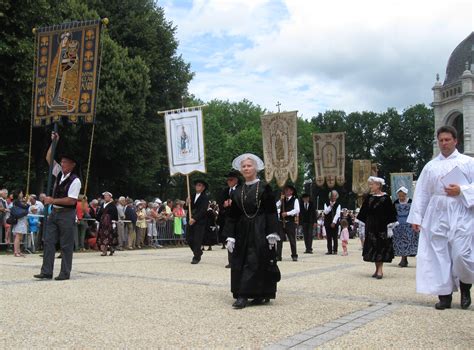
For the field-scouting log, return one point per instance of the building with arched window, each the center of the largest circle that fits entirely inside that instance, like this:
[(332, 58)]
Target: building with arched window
[(453, 101)]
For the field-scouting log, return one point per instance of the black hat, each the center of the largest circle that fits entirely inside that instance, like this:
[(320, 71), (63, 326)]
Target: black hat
[(70, 157), (201, 181), (291, 187), (233, 173), (305, 195)]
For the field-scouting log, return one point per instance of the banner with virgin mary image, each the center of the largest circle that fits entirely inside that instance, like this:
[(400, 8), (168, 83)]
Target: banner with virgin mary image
[(66, 72), (185, 140), (329, 158), (279, 134)]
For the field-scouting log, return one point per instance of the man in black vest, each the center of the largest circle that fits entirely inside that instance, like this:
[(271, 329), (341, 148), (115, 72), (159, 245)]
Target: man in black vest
[(224, 202), (332, 212), (307, 220), (62, 221), (197, 222), (289, 210)]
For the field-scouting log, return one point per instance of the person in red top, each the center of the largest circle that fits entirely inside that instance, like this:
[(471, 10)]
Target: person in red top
[(82, 212)]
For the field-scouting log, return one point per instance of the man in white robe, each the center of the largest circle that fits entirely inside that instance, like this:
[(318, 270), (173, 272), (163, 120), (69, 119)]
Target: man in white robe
[(444, 216)]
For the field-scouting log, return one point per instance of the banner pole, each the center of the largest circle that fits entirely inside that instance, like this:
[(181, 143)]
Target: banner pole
[(189, 196)]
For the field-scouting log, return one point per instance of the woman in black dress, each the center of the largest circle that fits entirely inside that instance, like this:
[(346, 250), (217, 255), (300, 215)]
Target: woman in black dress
[(251, 228), (107, 237), (380, 217)]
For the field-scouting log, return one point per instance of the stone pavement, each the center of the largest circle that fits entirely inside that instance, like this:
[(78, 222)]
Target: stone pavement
[(157, 299)]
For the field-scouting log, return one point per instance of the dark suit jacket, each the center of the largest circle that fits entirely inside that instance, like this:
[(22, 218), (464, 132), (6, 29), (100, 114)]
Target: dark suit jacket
[(307, 216), (199, 209)]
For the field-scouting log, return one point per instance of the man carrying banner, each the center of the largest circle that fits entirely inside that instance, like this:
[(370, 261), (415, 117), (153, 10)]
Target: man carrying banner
[(197, 220), (289, 211), (62, 221), (332, 212), (442, 211)]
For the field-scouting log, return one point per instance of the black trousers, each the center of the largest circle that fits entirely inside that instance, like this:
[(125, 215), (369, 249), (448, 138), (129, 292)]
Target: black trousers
[(290, 231), (331, 237), (308, 236), (194, 237), (61, 226)]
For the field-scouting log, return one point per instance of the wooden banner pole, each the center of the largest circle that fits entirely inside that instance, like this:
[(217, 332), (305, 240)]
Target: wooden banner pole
[(189, 196)]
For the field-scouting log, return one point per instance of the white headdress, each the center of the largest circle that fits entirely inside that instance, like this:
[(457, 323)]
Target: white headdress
[(403, 189), (237, 162), (107, 192), (376, 179)]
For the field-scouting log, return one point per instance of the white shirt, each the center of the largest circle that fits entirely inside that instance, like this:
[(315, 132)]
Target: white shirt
[(296, 208), (197, 196), (75, 187), (327, 210)]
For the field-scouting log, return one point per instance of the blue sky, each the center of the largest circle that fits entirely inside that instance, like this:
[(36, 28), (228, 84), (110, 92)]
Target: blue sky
[(318, 55)]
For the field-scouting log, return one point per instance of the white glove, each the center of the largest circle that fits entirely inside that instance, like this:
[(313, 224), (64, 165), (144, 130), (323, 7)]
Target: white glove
[(272, 239), (114, 225), (390, 228), (230, 244)]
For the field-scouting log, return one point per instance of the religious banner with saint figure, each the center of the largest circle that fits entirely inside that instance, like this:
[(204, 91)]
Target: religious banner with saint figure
[(185, 140), (398, 180), (329, 158), (66, 72), (361, 170), (280, 146)]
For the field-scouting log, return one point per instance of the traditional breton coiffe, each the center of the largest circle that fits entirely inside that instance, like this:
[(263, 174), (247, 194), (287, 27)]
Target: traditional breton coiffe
[(403, 189), (446, 243), (237, 162)]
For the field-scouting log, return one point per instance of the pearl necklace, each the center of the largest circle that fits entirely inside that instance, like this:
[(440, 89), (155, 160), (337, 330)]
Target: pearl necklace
[(256, 201)]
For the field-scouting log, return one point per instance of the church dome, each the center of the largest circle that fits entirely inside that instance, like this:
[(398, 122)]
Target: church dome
[(457, 61)]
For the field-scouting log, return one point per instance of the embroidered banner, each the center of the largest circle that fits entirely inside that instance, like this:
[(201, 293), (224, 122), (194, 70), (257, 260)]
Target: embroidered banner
[(279, 134), (329, 158), (66, 72), (185, 140), (398, 180), (361, 170)]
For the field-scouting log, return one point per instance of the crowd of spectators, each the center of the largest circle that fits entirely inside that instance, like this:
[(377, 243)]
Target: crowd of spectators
[(140, 224)]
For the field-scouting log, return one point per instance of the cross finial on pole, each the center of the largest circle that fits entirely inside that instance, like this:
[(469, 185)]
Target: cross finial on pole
[(278, 105)]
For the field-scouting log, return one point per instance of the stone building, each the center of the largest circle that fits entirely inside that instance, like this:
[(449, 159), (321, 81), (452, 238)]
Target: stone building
[(453, 101)]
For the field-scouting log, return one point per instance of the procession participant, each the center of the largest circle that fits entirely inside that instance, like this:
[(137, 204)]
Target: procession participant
[(251, 227), (232, 180), (107, 238), (61, 222), (332, 212), (289, 210), (308, 221), (197, 222), (379, 216), (444, 215), (405, 240)]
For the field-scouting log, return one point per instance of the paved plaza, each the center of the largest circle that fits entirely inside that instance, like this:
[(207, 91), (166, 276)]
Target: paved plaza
[(157, 299)]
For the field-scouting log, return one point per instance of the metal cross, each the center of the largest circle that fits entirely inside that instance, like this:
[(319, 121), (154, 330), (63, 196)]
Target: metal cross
[(278, 105)]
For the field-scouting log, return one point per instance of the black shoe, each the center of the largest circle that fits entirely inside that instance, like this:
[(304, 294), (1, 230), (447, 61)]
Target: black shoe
[(240, 303), (334, 253), (59, 256), (259, 301), (328, 253), (43, 276), (294, 258), (465, 295), (444, 302), (374, 275), (195, 261), (227, 266), (61, 278), (210, 248), (403, 262)]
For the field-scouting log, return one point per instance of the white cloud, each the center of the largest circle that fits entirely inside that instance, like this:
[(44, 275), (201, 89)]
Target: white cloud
[(318, 55)]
